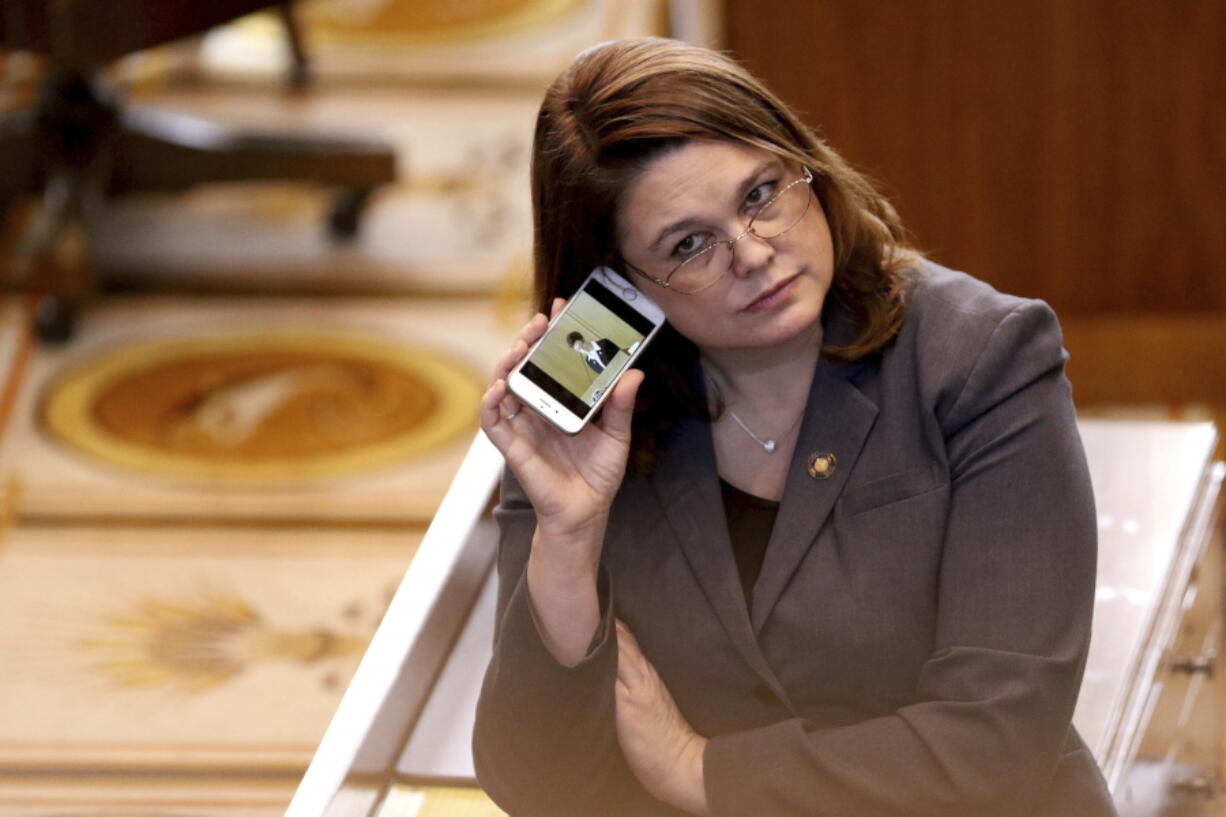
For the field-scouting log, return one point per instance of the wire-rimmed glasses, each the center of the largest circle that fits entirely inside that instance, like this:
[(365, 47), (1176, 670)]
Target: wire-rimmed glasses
[(705, 264)]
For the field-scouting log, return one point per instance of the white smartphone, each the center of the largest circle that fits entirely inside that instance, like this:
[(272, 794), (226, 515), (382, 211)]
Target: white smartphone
[(570, 371)]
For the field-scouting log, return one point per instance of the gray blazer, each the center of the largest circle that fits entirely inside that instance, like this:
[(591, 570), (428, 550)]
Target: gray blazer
[(920, 624)]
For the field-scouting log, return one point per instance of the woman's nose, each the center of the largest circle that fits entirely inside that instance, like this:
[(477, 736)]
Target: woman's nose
[(750, 253)]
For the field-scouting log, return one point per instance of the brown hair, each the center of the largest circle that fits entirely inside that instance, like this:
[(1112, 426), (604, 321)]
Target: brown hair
[(624, 103)]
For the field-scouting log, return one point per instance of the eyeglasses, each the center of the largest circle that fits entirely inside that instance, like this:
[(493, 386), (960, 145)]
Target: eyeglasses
[(702, 264)]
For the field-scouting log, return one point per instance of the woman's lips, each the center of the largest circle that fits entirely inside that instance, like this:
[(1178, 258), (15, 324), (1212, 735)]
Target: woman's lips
[(772, 296)]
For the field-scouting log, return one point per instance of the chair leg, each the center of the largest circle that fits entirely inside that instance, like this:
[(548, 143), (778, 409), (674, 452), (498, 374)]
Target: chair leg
[(345, 214), (60, 248), (300, 75), (55, 319), (73, 122)]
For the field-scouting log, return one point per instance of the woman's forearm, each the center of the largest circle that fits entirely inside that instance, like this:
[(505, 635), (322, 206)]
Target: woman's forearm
[(561, 575)]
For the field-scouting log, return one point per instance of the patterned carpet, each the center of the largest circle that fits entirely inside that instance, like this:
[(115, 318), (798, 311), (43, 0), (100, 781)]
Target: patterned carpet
[(207, 504)]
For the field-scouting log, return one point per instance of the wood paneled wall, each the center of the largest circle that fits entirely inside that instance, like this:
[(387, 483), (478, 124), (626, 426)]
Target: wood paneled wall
[(1073, 150)]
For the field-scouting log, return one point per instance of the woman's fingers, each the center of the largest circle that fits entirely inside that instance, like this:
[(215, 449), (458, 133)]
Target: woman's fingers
[(510, 358), (619, 408), (630, 659), (499, 405), (498, 408), (529, 334), (491, 404), (509, 407), (534, 328)]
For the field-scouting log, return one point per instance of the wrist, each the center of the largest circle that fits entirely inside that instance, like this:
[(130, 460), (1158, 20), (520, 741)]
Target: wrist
[(567, 578), (588, 530), (568, 555), (687, 788)]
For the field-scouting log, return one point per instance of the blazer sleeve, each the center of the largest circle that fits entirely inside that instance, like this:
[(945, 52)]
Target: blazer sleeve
[(545, 739), (995, 698)]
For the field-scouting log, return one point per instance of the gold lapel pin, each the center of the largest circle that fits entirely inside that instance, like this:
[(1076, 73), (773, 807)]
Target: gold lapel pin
[(821, 464)]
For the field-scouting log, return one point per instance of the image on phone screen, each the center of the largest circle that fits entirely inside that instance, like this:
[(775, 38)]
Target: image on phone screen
[(587, 348)]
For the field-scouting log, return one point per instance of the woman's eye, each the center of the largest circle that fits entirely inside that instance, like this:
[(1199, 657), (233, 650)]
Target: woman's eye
[(760, 195), (689, 245)]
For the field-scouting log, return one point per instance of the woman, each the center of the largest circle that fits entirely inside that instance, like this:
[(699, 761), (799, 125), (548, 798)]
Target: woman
[(832, 552)]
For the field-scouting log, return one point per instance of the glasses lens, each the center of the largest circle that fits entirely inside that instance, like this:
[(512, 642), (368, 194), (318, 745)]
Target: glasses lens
[(776, 217), (702, 270), (783, 212)]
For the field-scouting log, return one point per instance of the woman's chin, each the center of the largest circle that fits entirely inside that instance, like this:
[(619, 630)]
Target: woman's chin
[(795, 320)]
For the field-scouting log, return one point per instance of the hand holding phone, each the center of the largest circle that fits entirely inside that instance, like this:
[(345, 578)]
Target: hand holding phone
[(570, 478)]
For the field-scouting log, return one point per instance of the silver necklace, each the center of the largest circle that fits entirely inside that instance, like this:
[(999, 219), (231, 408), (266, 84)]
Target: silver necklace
[(768, 446)]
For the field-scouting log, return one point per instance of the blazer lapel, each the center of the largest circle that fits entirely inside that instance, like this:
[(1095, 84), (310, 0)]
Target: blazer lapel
[(686, 482), (837, 421)]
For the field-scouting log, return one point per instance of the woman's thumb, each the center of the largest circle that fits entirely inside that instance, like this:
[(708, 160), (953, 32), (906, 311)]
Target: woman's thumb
[(619, 408)]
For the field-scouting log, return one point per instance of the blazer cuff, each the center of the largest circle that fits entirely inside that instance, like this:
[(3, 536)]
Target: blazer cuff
[(729, 766), (545, 741), (530, 655)]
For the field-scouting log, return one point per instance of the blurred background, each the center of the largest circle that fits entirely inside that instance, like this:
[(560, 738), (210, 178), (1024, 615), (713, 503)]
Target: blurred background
[(257, 259)]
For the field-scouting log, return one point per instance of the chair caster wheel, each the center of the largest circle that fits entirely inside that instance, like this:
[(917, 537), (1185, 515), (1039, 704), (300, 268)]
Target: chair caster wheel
[(55, 320), (345, 215)]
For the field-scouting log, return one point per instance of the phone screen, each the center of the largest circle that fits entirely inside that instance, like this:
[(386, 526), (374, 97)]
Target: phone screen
[(588, 347)]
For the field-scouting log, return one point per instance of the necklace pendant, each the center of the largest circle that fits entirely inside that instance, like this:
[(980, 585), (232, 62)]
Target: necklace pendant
[(767, 445)]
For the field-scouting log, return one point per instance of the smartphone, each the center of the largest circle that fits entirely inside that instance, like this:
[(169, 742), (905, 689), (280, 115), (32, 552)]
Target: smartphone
[(591, 343)]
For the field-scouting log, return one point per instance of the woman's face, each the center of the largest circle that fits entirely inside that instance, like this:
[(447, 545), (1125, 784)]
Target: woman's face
[(774, 290)]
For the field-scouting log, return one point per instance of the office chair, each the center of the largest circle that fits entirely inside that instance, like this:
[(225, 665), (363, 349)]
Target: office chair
[(78, 145)]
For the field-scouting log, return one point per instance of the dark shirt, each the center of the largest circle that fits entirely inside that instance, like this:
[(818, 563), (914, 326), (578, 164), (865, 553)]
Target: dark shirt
[(750, 519)]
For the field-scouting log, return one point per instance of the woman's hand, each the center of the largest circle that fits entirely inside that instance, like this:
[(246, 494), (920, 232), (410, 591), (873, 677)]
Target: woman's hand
[(664, 753), (570, 479)]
